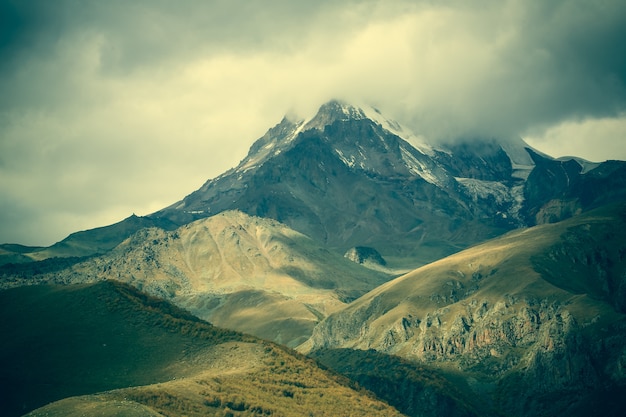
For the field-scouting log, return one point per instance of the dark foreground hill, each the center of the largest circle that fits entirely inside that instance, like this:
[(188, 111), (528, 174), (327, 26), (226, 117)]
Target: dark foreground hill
[(107, 349)]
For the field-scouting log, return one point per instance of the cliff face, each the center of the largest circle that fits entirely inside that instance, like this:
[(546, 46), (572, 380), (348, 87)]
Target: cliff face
[(535, 316)]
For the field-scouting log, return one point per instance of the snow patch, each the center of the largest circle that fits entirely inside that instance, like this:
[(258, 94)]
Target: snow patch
[(352, 112), (500, 193), (480, 189), (587, 165), (521, 171), (418, 168), (349, 162), (516, 151), (299, 127), (248, 165), (274, 147), (418, 142)]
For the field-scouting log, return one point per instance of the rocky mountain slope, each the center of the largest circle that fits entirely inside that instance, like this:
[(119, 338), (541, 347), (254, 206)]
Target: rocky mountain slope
[(240, 272), (349, 177), (536, 318), (106, 349)]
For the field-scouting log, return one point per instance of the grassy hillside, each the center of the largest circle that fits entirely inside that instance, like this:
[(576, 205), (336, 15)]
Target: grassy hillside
[(64, 341), (239, 272), (535, 318), (249, 381), (108, 349)]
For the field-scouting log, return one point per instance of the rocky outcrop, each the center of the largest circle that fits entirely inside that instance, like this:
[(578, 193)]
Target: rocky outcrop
[(363, 254)]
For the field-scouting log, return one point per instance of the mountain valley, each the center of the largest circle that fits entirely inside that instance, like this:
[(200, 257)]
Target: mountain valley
[(474, 277)]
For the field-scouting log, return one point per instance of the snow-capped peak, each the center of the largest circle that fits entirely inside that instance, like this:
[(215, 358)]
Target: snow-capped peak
[(415, 153), (332, 111), (337, 110), (418, 142)]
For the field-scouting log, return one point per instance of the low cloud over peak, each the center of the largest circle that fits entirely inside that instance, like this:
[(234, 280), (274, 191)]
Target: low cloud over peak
[(143, 102)]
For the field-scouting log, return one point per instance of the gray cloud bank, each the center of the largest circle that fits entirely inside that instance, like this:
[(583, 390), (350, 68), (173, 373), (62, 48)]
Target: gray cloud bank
[(109, 108)]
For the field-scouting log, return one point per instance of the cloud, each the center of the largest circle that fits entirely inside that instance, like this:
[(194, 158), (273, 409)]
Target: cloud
[(577, 137), (110, 108)]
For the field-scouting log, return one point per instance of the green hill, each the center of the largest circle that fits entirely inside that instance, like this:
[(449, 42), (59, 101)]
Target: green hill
[(106, 348), (64, 341)]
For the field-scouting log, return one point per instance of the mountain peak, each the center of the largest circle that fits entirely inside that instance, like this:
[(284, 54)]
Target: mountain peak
[(278, 138), (342, 111), (335, 110)]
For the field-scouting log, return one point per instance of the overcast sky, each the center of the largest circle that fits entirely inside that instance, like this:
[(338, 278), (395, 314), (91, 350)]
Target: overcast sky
[(109, 108)]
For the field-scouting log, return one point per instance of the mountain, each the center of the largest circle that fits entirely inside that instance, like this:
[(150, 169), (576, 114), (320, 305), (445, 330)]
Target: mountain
[(534, 321), (562, 188), (84, 243), (346, 180), (245, 273), (517, 307), (106, 349), (349, 177)]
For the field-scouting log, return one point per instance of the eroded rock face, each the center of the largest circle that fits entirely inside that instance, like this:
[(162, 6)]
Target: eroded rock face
[(536, 315), (483, 332), (529, 349)]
